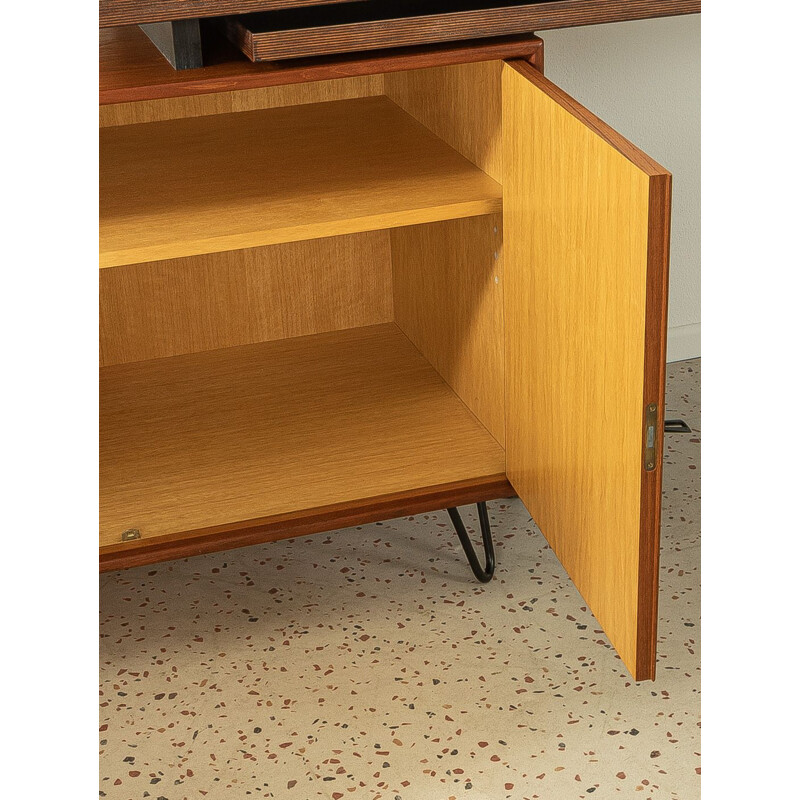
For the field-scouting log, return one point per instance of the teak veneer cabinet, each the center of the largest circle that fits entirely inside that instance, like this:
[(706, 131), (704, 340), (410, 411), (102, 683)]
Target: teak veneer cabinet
[(336, 301)]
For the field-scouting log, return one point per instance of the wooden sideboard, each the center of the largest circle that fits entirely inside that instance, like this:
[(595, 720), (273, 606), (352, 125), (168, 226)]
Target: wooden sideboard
[(339, 290)]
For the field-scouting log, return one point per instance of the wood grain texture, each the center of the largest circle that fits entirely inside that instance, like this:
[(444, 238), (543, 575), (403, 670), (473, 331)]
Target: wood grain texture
[(461, 104), (302, 33), (129, 12), (132, 70), (448, 300), (655, 363), (340, 29), (167, 308), (575, 13), (227, 439), (303, 523), (536, 58), (202, 105), (191, 186), (566, 13), (578, 256)]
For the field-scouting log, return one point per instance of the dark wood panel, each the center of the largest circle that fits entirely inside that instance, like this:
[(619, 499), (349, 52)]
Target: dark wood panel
[(132, 69), (655, 366), (575, 13), (299, 33), (554, 14), (139, 552), (130, 12)]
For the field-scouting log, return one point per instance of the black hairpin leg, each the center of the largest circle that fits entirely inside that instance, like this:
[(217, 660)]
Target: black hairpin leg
[(483, 574)]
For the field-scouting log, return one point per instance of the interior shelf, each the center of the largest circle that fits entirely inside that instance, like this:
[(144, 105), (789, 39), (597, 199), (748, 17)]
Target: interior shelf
[(231, 181), (229, 438)]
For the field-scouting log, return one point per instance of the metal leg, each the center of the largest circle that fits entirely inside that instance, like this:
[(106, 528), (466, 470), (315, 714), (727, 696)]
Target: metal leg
[(676, 426), (483, 574)]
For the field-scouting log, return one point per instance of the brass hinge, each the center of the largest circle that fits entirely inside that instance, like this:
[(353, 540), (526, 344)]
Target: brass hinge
[(650, 438), (131, 534)]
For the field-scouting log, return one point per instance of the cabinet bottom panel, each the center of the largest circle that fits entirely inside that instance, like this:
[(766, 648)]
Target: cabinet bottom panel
[(231, 447), (304, 523)]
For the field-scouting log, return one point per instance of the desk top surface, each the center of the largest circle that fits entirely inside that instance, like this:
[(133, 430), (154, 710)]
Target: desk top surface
[(555, 13)]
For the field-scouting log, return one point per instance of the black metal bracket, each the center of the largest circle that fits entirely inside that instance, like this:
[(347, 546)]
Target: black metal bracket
[(483, 574), (179, 42), (676, 426)]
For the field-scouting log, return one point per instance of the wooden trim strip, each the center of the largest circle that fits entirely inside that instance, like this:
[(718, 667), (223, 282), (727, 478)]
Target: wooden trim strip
[(132, 70), (302, 523), (655, 356), (566, 13), (536, 58)]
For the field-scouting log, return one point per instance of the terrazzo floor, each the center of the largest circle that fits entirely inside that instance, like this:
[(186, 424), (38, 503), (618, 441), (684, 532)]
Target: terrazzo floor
[(368, 663)]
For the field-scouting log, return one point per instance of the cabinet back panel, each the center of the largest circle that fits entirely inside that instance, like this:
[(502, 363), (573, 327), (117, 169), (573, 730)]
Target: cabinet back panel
[(245, 100), (448, 300), (188, 305), (461, 104)]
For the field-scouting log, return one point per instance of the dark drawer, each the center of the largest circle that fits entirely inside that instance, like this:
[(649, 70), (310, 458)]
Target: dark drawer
[(375, 24)]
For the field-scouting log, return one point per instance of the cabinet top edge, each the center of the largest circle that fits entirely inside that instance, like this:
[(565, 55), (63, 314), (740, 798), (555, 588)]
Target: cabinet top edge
[(132, 69)]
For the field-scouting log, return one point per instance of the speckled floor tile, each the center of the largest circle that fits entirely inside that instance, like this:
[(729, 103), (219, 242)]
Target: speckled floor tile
[(368, 663)]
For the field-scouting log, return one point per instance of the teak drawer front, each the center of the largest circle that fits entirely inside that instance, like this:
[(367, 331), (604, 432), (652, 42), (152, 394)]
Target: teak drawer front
[(586, 237), (374, 24)]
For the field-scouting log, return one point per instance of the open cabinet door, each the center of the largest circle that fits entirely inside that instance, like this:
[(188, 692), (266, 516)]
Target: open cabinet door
[(586, 247)]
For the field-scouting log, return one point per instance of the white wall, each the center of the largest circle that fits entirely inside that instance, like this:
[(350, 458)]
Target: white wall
[(643, 79)]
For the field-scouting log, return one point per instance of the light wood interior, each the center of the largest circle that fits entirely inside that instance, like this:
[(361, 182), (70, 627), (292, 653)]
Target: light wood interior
[(461, 104), (263, 243), (203, 105), (317, 304), (192, 186), (576, 253), (246, 433), (187, 305), (448, 300)]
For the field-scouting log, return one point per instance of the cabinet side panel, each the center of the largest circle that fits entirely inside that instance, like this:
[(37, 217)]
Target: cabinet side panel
[(576, 214), (448, 300), (244, 100), (461, 104), (188, 305)]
